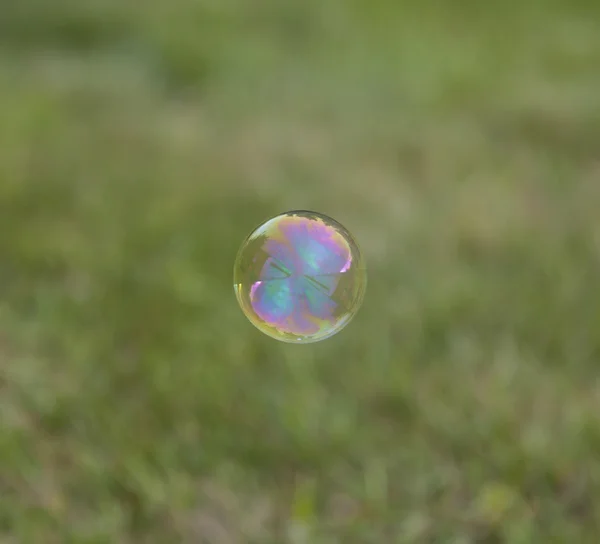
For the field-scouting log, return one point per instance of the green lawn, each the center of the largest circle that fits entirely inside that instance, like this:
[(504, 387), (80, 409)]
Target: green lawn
[(140, 142)]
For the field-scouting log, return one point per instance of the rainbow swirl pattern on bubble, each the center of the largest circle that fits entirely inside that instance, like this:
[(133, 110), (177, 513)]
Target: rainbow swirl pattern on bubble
[(300, 277)]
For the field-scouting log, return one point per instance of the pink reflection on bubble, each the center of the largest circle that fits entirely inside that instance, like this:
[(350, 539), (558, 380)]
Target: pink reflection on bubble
[(346, 267), (253, 289)]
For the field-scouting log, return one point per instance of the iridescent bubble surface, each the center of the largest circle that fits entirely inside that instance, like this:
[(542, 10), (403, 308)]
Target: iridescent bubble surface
[(300, 277)]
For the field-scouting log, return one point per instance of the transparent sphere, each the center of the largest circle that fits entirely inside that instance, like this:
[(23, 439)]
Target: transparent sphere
[(300, 277)]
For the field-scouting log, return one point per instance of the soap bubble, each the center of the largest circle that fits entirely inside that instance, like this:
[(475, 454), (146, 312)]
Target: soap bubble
[(300, 277)]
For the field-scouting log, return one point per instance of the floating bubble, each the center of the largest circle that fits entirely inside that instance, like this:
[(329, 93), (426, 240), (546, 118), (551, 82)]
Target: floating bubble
[(300, 277)]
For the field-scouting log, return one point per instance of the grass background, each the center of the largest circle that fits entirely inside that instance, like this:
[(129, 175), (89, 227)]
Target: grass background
[(141, 142)]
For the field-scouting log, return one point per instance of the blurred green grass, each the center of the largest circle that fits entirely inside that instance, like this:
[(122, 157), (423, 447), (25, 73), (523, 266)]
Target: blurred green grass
[(140, 145)]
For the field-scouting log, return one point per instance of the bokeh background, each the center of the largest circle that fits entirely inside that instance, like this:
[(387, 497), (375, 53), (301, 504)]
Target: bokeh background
[(140, 142)]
